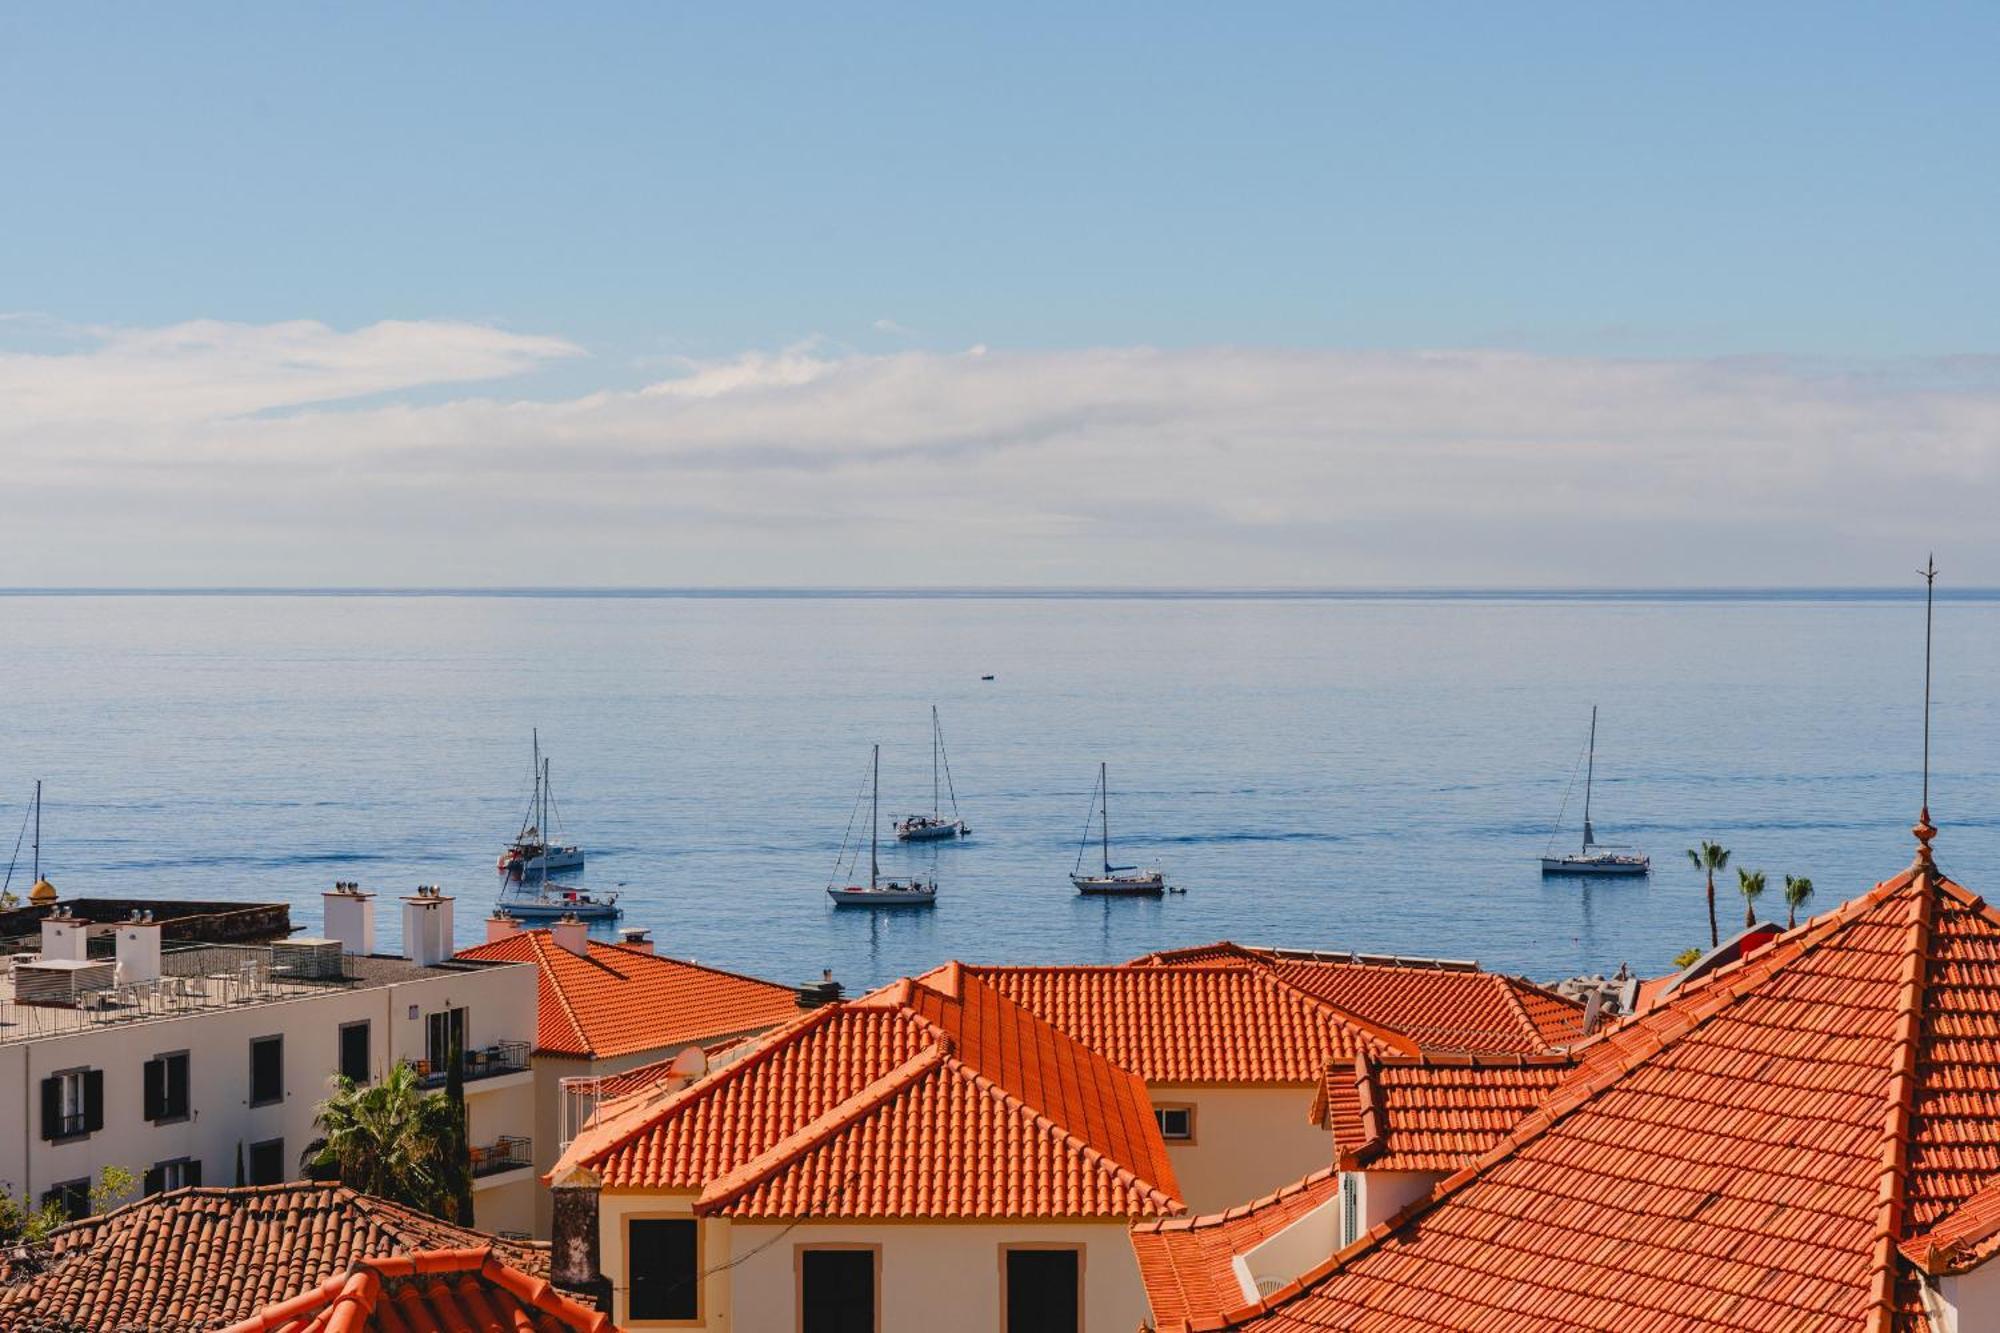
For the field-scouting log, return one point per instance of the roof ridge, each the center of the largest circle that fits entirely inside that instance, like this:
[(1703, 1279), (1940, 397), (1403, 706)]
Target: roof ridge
[(1204, 1221), (1520, 1010), (1385, 1036), (746, 1176), (1000, 1090), (1895, 1142), (1653, 1032), (538, 944), (645, 1116)]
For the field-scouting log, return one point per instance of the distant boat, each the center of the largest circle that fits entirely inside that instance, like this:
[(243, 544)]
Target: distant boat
[(878, 892), (533, 851), (986, 678), (547, 901), (1594, 857), (934, 827), (1114, 881)]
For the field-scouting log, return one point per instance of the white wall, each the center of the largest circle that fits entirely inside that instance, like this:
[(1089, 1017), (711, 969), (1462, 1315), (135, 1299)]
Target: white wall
[(934, 1275), (1386, 1193), (1247, 1143), (500, 1004), (1967, 1302)]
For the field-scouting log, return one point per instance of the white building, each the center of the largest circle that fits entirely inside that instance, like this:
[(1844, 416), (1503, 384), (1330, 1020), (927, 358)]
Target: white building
[(204, 1064)]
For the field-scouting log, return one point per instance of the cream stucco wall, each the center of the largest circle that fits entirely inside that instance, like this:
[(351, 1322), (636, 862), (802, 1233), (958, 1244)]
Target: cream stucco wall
[(933, 1275), (1966, 1302), (500, 1005), (1247, 1142)]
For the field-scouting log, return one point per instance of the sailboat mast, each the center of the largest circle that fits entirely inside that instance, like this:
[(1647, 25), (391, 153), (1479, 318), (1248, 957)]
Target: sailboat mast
[(544, 779), (1589, 773), (38, 831), (1104, 789), (875, 822), (936, 739)]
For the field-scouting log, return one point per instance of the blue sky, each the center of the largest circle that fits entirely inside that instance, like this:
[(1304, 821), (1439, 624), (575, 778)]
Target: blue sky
[(666, 187)]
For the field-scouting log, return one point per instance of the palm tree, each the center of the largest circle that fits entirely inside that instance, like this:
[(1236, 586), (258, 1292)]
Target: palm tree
[(1709, 858), (1750, 883), (1798, 892), (391, 1139)]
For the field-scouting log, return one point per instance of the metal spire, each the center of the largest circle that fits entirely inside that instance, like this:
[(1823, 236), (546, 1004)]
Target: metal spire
[(1924, 830)]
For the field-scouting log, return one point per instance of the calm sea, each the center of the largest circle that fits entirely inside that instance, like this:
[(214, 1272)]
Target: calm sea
[(1376, 773)]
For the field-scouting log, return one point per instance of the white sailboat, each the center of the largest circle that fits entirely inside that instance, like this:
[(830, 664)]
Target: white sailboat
[(533, 851), (878, 892), (934, 827), (1593, 857), (1114, 881)]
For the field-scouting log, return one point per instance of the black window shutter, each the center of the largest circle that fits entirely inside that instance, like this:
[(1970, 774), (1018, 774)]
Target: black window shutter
[(93, 1100), (177, 1085), (155, 1178), (51, 1108), (156, 1091), (193, 1172)]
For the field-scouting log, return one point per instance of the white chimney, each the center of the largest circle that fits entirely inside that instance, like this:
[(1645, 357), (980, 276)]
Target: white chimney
[(65, 938), (427, 936), (500, 926), (138, 949), (639, 938), (572, 934), (350, 918)]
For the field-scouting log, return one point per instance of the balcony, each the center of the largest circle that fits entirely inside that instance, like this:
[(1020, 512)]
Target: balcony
[(509, 1152), (480, 1062)]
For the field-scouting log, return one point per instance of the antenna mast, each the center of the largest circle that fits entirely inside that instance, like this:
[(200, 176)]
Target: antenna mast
[(1924, 830)]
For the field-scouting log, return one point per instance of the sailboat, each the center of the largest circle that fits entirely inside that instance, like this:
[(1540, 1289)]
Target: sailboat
[(1115, 881), (878, 892), (42, 893), (934, 827), (532, 851), (1593, 857)]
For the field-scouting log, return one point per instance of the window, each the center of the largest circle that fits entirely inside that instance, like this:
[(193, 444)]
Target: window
[(72, 1104), (167, 1087), (663, 1266), (354, 1051), (442, 1031), (1176, 1123), (837, 1291), (267, 1071), (1044, 1290), (71, 1199), (267, 1162), (1350, 1207), (174, 1174)]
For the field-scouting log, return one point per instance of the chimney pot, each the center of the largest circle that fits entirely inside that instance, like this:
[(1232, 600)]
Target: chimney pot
[(349, 916), (571, 934)]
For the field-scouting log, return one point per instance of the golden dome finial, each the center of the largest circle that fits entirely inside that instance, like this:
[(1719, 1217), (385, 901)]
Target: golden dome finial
[(42, 894)]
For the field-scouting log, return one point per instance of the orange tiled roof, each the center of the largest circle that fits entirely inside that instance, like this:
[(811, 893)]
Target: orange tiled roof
[(1224, 1023), (1433, 1112), (1189, 1263), (618, 1000), (1759, 1152), (201, 1258), (428, 1292), (1441, 1006), (938, 1098)]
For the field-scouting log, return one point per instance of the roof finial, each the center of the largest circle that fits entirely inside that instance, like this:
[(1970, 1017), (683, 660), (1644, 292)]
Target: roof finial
[(1924, 830)]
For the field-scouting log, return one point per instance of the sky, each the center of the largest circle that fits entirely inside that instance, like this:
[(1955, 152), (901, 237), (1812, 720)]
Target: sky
[(1252, 295)]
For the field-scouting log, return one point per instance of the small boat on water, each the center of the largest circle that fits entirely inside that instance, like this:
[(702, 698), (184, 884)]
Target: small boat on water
[(533, 851), (1113, 881), (877, 892), (547, 901), (934, 827), (1593, 857)]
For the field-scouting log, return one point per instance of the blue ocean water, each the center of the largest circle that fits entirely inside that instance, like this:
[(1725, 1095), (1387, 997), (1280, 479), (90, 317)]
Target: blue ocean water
[(1376, 773)]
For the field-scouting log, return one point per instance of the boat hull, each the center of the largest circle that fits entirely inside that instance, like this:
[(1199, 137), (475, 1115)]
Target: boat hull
[(891, 898), (1120, 886), (930, 832), (1627, 866), (554, 860)]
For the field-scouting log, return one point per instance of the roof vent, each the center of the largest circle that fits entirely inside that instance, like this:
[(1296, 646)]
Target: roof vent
[(818, 994)]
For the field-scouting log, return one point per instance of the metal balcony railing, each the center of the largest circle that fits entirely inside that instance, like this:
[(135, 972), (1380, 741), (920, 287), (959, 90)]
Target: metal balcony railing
[(502, 1057), (506, 1153)]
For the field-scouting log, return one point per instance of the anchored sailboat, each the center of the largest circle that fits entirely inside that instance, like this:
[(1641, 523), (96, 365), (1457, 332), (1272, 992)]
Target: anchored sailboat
[(1115, 881), (1594, 857), (934, 827), (532, 850), (877, 892)]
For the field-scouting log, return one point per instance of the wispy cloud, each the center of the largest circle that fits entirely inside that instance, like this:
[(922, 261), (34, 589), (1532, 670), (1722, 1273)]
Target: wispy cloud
[(224, 453)]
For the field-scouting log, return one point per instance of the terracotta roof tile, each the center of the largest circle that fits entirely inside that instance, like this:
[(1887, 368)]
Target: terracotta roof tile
[(1189, 1264), (936, 1099), (1431, 1113), (428, 1292), (202, 1258), (618, 1000), (1758, 1153)]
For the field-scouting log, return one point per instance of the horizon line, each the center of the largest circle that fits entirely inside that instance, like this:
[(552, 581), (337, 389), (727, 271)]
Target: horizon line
[(1050, 592)]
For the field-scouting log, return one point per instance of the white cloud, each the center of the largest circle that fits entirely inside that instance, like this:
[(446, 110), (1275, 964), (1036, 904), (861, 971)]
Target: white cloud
[(209, 453)]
